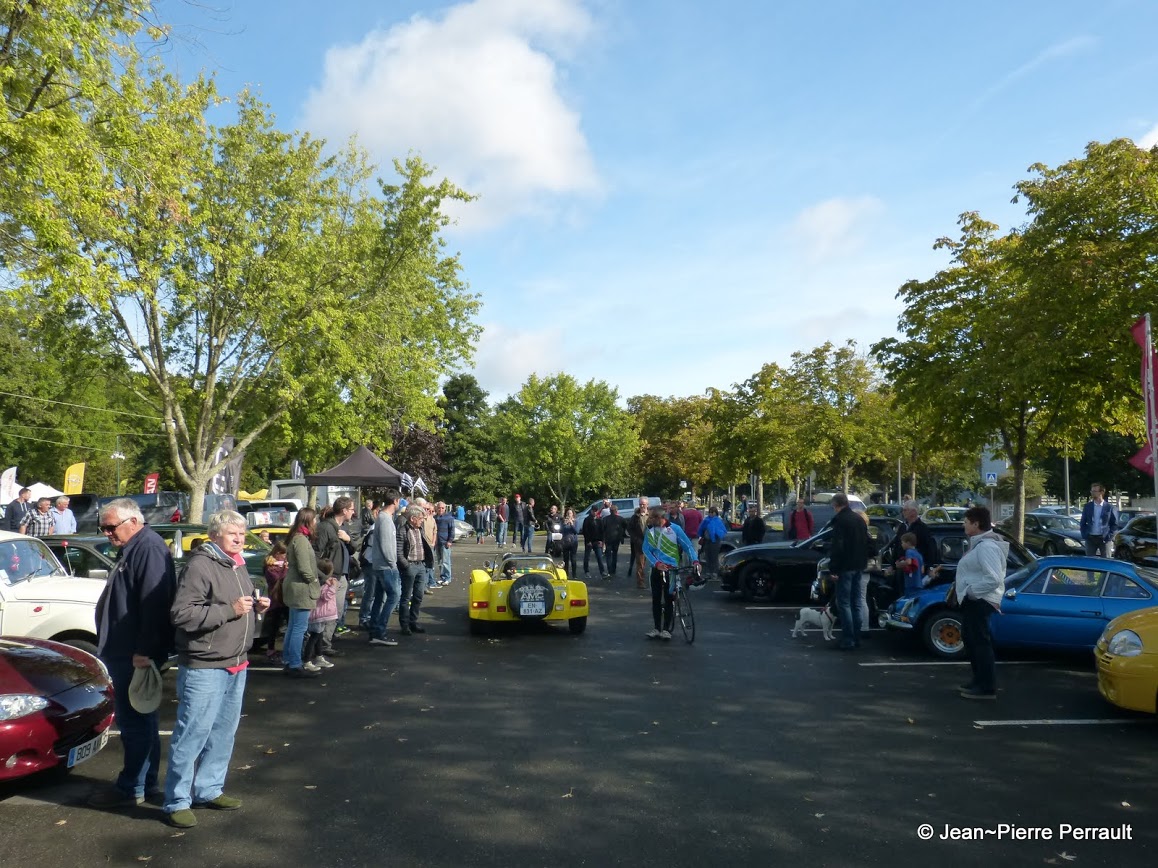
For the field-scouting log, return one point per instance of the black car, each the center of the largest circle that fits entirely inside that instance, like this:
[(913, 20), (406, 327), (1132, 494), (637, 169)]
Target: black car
[(158, 508), (785, 570), (1137, 542), (1050, 534), (85, 556)]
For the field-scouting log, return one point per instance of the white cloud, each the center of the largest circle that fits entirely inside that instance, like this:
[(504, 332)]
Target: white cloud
[(476, 93), (1150, 139), (833, 227), (505, 357)]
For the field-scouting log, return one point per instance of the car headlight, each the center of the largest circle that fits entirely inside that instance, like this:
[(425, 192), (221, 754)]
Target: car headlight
[(1125, 643), (1072, 543), (908, 607), (14, 705)]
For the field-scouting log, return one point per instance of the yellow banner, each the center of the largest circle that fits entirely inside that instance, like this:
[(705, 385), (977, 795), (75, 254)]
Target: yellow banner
[(74, 479)]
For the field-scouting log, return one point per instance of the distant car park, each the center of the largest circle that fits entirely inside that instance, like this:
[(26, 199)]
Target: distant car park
[(943, 514)]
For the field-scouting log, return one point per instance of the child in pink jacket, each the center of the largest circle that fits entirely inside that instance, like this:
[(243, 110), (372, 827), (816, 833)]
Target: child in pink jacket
[(325, 611)]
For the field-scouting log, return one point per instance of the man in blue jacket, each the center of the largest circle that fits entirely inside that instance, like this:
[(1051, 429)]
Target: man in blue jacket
[(1099, 521), (133, 632)]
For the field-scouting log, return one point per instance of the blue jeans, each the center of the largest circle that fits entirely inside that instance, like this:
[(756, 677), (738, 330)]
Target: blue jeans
[(501, 534), (140, 733), (371, 596), (388, 582), (442, 555), (598, 549), (413, 590), (295, 634), (847, 591), (1095, 545), (208, 711), (528, 539)]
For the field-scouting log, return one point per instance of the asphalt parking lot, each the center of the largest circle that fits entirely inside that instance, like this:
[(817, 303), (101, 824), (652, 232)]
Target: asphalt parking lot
[(538, 747)]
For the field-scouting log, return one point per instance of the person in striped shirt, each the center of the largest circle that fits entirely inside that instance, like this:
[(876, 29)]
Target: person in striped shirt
[(661, 547)]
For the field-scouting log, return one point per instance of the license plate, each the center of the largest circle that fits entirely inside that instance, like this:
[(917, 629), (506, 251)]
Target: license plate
[(87, 750), (555, 537), (532, 609)]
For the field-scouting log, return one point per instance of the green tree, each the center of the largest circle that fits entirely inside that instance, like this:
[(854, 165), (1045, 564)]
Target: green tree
[(470, 474), (675, 443), (972, 357), (1104, 458), (256, 283), (566, 438), (58, 67)]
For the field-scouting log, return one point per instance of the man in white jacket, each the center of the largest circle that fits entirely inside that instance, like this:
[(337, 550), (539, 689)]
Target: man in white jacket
[(980, 587)]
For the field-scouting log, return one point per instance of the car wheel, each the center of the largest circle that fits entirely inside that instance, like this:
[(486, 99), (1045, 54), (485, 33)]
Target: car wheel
[(943, 635), (1049, 549), (757, 582), (81, 644), (531, 597), (577, 625)]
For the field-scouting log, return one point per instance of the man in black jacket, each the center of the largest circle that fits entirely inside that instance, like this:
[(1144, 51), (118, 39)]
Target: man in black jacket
[(614, 528), (593, 541), (134, 632), (16, 516), (848, 558), (754, 528)]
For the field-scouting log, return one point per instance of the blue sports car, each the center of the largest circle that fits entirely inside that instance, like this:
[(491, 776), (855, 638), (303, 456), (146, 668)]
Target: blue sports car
[(1062, 602)]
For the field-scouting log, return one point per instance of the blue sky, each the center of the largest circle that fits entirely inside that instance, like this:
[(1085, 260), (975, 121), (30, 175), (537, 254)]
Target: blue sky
[(675, 193)]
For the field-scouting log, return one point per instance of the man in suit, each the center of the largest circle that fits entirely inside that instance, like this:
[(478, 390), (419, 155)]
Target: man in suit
[(1099, 521)]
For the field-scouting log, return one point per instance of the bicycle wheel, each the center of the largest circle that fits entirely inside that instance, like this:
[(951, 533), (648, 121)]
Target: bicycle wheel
[(683, 612)]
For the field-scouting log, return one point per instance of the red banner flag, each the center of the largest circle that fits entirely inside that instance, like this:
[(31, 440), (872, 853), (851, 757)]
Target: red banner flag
[(1140, 331), (1144, 461), (151, 483)]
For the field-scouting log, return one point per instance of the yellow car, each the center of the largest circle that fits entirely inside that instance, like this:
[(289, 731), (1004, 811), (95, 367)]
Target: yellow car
[(526, 588), (1127, 655)]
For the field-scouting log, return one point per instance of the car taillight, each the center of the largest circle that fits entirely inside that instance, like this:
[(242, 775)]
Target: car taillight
[(577, 602), (480, 604), (500, 608)]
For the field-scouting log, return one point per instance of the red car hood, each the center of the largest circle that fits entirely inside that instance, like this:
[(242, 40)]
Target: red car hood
[(44, 668)]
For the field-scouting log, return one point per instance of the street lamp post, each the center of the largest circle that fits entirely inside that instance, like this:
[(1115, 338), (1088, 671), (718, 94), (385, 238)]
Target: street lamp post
[(118, 457)]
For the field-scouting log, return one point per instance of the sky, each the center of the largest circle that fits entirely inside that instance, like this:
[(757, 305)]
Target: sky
[(672, 193)]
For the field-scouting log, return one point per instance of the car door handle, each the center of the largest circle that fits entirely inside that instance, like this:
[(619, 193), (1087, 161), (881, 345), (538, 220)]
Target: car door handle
[(1091, 611)]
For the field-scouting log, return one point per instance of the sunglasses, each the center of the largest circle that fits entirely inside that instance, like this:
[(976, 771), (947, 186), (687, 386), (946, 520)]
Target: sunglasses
[(109, 528)]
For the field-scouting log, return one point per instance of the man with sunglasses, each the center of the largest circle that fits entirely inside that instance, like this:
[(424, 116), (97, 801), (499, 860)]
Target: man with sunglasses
[(134, 632)]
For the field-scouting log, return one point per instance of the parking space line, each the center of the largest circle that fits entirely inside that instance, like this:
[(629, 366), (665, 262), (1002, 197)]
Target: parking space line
[(1057, 722), (956, 663)]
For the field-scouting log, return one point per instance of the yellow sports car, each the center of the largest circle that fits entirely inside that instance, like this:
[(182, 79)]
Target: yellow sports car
[(526, 588), (1127, 656)]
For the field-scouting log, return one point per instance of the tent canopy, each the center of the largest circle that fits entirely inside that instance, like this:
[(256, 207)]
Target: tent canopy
[(363, 468)]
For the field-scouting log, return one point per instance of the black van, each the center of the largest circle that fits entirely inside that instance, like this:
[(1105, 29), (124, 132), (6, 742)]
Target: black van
[(162, 507)]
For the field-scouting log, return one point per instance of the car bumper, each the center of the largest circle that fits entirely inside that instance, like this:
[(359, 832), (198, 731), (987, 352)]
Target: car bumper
[(895, 622), (1129, 682)]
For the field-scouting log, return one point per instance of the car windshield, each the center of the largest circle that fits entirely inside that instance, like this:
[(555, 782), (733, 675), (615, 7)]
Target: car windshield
[(518, 566), (25, 559)]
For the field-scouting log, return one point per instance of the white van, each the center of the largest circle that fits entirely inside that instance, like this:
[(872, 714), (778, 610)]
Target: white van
[(626, 506)]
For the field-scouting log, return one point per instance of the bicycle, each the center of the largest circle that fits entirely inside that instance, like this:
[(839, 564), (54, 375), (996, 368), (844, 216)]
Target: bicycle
[(678, 581)]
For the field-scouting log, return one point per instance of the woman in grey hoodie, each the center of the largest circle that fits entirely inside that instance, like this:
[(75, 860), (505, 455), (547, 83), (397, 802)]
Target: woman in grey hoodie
[(980, 586)]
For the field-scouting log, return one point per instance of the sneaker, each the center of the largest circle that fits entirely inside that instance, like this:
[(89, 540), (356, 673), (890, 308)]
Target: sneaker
[(653, 634), (664, 634), (274, 657), (342, 630), (587, 575), (335, 652), (311, 667), (414, 628), (385, 640), (977, 693), (221, 803), (430, 588), (182, 819), (323, 663), (112, 798)]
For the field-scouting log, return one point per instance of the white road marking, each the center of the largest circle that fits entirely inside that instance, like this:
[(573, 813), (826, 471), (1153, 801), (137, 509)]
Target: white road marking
[(1057, 722), (956, 663)]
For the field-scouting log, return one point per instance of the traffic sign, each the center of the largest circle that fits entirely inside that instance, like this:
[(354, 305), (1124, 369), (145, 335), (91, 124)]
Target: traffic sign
[(991, 479)]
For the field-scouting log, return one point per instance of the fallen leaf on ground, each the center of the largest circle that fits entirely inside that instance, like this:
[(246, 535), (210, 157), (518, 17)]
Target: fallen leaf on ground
[(569, 794), (61, 822), (176, 834), (144, 858), (270, 751), (311, 786), (910, 720), (1125, 804), (1067, 856)]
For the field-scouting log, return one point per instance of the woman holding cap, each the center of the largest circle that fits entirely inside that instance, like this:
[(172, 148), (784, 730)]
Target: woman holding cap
[(214, 616)]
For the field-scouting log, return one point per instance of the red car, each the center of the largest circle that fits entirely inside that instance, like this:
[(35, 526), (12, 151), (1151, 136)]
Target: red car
[(56, 706)]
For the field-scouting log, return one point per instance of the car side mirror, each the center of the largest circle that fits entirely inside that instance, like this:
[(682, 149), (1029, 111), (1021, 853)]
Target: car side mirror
[(1011, 594), (98, 574)]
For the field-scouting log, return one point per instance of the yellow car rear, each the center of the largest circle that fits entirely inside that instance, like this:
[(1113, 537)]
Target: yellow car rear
[(526, 588)]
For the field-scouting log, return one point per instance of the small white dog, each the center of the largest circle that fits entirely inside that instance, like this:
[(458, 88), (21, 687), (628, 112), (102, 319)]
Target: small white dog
[(810, 617)]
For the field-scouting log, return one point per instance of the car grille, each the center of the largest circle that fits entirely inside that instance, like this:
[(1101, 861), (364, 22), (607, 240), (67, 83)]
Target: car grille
[(77, 712)]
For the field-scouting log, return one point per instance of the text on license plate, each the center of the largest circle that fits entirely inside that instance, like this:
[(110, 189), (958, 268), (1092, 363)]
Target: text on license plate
[(87, 750), (539, 608)]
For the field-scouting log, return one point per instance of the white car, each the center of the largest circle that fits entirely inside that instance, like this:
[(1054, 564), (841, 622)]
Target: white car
[(39, 600)]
